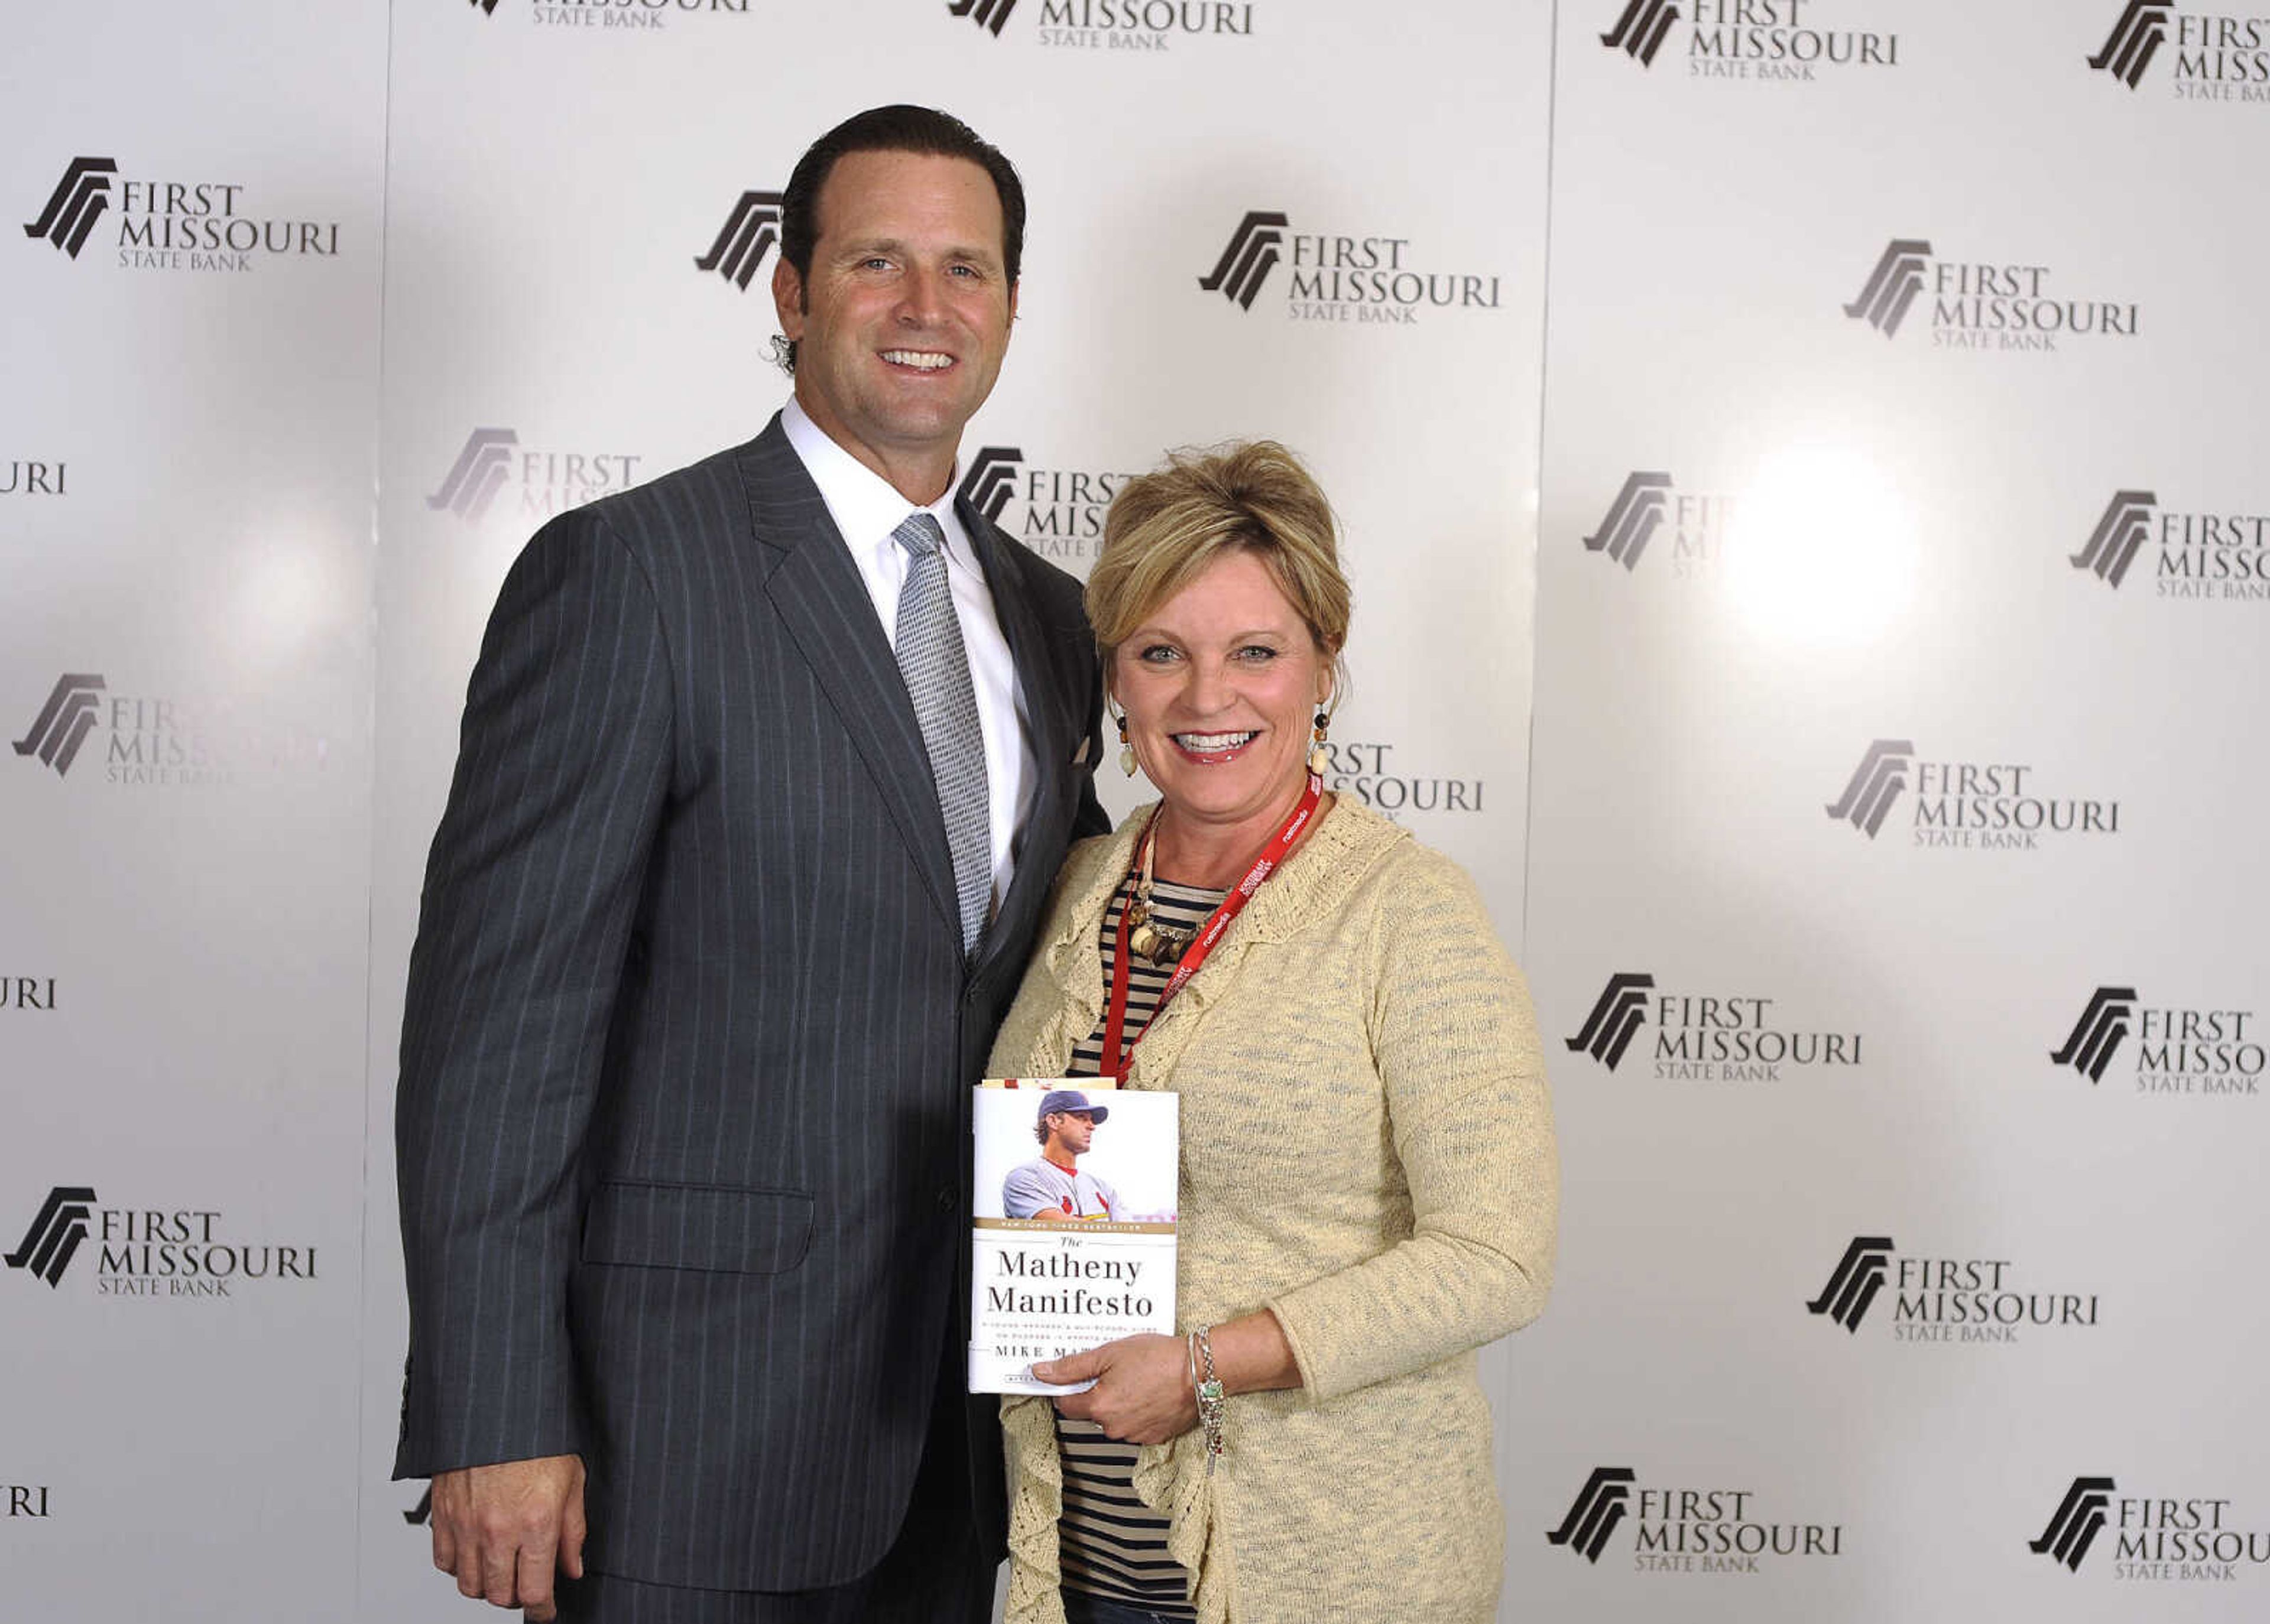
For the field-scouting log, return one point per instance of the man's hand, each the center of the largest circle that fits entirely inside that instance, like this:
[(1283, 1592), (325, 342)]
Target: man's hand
[(1142, 1393), (505, 1529)]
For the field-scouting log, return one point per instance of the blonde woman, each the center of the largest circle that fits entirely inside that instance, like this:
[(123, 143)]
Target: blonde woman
[(1369, 1181)]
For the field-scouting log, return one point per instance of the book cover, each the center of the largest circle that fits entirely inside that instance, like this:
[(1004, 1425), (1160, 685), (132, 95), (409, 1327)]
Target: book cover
[(1075, 1240)]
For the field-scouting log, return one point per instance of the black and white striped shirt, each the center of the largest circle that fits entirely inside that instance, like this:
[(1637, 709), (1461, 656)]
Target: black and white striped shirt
[(1108, 1542)]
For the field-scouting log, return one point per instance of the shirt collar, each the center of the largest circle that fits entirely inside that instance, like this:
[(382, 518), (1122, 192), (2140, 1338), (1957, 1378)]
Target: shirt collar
[(866, 506)]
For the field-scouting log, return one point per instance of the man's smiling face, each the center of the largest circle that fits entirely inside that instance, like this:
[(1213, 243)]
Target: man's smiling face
[(901, 323)]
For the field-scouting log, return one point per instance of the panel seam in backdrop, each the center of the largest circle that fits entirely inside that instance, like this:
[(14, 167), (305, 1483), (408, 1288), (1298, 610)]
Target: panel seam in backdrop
[(1537, 517)]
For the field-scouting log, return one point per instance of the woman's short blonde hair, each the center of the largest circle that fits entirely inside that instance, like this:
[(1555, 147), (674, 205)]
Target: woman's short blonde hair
[(1166, 528)]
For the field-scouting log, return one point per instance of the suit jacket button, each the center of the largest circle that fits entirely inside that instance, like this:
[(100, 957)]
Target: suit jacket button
[(947, 1199)]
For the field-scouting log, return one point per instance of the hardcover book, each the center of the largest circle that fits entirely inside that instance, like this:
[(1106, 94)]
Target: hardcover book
[(1074, 1242)]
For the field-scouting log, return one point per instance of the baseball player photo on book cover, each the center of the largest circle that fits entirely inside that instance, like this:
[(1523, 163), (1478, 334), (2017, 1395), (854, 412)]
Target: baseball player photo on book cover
[(1074, 1241)]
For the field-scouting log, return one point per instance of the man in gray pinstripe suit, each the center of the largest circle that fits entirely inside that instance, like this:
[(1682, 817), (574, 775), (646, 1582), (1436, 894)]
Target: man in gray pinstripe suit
[(695, 1001)]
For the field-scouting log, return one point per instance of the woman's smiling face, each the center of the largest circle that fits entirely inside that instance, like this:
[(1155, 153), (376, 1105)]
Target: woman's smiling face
[(1219, 683)]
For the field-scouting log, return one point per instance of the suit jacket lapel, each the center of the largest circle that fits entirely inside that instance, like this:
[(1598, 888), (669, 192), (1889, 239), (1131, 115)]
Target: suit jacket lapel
[(818, 592)]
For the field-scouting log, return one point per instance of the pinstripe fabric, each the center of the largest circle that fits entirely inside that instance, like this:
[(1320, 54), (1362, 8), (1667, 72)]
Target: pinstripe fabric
[(681, 1125), (964, 1595), (934, 1572)]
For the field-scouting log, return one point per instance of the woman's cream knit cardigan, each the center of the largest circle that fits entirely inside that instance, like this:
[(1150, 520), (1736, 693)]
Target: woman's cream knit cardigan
[(1367, 1151)]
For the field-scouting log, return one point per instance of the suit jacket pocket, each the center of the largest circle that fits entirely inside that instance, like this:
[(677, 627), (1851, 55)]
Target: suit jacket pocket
[(710, 1227)]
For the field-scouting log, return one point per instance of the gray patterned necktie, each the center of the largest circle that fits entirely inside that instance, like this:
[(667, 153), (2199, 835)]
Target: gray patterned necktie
[(936, 670)]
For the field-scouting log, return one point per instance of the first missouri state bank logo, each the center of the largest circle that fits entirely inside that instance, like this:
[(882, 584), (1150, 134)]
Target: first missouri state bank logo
[(1780, 40), (1944, 1299), (195, 225), (1056, 511), (1648, 501), (1981, 304), (2194, 1047), (143, 1251), (147, 741), (1705, 1037), (76, 203), (1975, 805), (2180, 1539), (2217, 55), (63, 722), (1340, 276), (56, 1233), (1712, 1529), (493, 461), (1115, 25), (750, 231), (2204, 556)]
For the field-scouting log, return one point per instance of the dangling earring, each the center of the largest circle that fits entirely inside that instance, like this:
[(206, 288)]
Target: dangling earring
[(1126, 750), (1320, 754)]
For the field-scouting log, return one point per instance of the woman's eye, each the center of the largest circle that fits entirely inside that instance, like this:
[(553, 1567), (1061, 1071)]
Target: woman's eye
[(1157, 654), (1257, 653)]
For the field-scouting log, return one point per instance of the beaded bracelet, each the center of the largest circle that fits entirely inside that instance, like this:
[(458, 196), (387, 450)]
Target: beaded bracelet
[(1209, 1394)]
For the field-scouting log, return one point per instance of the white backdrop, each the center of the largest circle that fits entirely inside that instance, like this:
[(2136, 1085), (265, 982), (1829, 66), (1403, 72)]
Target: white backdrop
[(1677, 367)]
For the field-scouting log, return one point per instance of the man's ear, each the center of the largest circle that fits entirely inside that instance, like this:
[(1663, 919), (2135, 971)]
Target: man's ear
[(787, 299)]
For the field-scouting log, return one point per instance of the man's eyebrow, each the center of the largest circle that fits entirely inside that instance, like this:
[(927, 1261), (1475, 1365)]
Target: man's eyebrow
[(859, 247)]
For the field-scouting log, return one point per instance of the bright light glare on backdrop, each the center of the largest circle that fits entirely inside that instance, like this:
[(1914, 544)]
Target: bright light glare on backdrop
[(290, 594), (1821, 553)]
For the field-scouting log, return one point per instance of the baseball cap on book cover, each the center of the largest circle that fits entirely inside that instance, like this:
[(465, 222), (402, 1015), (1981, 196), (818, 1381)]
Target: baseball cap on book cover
[(1070, 1100)]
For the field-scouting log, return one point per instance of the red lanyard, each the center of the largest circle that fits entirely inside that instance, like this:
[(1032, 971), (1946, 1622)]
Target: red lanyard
[(1115, 1057)]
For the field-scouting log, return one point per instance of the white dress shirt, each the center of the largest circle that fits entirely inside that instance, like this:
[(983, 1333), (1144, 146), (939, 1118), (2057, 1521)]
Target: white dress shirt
[(866, 509)]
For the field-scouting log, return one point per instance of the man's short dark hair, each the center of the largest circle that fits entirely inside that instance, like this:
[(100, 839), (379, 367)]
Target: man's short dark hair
[(897, 129)]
